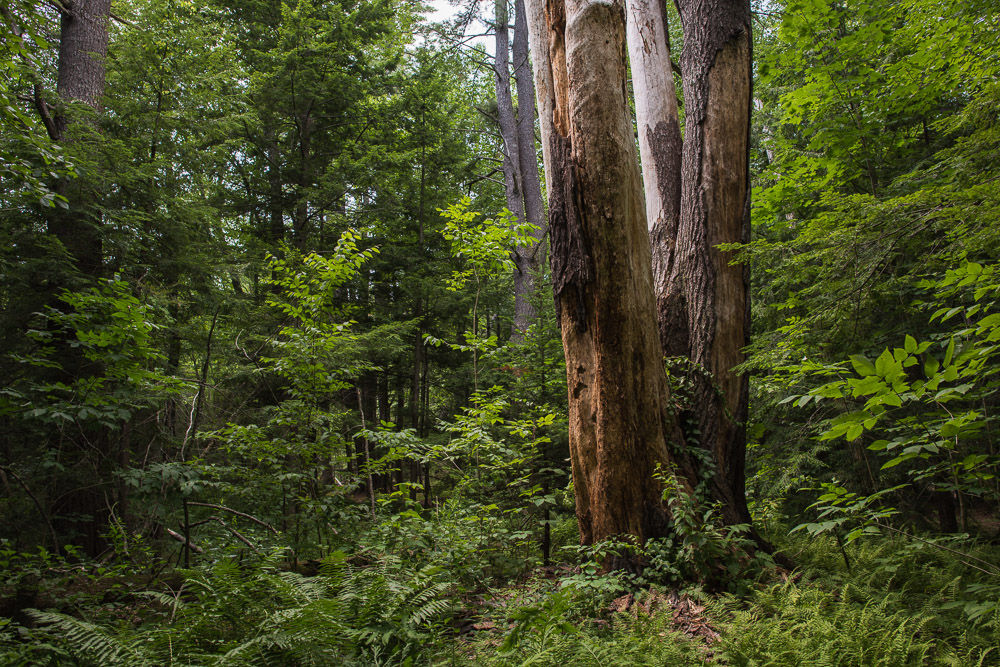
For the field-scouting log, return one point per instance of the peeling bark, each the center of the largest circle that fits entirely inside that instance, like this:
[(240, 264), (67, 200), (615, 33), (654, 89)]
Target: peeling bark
[(621, 426)]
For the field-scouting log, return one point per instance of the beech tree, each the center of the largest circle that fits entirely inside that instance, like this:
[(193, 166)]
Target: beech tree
[(616, 327)]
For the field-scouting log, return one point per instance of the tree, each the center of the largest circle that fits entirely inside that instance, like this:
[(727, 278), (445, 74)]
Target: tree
[(619, 417), (702, 304), (520, 161), (83, 47), (622, 423)]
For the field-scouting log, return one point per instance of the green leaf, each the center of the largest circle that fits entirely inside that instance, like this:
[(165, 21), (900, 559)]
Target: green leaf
[(862, 365)]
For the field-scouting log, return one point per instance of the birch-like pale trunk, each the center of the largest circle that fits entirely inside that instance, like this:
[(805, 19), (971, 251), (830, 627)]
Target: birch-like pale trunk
[(658, 128)]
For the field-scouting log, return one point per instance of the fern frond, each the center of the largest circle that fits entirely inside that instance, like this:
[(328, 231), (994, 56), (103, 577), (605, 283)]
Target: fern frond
[(89, 642)]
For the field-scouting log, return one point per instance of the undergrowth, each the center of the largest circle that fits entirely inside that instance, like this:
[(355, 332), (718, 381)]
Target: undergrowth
[(904, 602)]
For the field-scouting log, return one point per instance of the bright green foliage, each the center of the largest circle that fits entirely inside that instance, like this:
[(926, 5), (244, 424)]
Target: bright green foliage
[(851, 629), (317, 354), (484, 246), (313, 343), (924, 405)]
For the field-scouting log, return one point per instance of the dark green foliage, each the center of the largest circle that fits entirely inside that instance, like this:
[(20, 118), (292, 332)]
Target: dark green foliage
[(253, 614)]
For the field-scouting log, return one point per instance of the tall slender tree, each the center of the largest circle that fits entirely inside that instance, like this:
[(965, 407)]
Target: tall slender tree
[(83, 48), (520, 157)]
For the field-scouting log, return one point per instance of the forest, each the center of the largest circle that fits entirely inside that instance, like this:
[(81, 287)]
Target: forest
[(523, 332)]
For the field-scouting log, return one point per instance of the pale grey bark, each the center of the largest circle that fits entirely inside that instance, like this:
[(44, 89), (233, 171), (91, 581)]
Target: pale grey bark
[(658, 127), (528, 259)]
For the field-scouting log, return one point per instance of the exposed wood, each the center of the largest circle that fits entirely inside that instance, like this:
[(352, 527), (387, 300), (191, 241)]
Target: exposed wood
[(187, 543), (619, 423)]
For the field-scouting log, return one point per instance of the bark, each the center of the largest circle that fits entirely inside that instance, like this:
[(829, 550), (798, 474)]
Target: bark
[(300, 231), (83, 47), (658, 128), (276, 217), (538, 42), (619, 423), (510, 135), (527, 260), (703, 310), (505, 113)]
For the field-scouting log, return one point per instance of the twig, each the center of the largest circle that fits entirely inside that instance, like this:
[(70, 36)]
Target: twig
[(235, 533), (995, 572), (200, 396), (119, 19)]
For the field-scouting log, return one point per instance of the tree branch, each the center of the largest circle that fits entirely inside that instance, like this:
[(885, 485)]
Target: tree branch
[(237, 513), (43, 110), (180, 538)]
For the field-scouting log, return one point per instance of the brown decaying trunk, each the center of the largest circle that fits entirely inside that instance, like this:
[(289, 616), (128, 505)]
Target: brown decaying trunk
[(619, 422), (621, 427), (703, 310)]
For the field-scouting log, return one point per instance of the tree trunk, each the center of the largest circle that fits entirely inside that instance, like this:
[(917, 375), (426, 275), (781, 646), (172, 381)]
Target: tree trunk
[(527, 260), (512, 176), (658, 127), (619, 422), (83, 47), (703, 308)]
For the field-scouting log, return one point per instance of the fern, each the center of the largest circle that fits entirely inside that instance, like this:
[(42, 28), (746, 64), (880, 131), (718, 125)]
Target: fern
[(261, 616), (91, 643)]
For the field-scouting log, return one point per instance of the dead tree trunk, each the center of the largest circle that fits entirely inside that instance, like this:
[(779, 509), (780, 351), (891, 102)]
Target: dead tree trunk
[(621, 424), (658, 126), (619, 421)]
